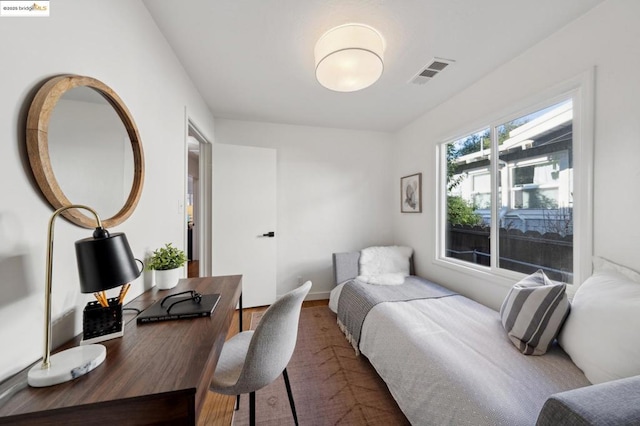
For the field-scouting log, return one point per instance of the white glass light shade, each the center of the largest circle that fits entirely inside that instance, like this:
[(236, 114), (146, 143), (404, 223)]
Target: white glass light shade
[(349, 57)]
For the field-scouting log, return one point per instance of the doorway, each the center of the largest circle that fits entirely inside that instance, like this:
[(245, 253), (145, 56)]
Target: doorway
[(198, 203)]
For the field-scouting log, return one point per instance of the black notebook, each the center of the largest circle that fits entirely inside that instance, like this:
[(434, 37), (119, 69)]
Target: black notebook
[(182, 306)]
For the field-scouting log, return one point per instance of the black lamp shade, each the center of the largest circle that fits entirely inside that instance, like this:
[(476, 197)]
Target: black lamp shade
[(105, 261)]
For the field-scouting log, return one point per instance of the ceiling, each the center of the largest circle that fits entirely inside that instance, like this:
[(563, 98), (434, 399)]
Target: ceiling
[(253, 59)]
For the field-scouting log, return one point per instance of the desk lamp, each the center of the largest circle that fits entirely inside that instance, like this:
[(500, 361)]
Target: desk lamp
[(104, 261)]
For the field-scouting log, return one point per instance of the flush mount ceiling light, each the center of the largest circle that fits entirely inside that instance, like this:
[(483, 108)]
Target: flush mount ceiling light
[(349, 57)]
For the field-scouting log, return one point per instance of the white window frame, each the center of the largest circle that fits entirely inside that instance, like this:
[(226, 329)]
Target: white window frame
[(581, 90)]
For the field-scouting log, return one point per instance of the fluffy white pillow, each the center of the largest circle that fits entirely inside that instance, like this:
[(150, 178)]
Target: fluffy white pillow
[(384, 265), (394, 278), (602, 330)]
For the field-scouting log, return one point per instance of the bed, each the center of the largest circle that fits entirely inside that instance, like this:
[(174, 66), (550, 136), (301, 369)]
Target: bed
[(445, 358)]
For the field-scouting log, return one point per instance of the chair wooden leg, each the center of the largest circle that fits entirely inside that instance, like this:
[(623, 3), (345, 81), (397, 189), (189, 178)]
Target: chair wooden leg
[(293, 406), (252, 409), (237, 407)]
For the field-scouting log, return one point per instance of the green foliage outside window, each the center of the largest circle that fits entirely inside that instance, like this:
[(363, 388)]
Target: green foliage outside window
[(461, 212)]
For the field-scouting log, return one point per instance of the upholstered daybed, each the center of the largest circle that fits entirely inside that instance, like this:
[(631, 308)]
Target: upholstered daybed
[(448, 360)]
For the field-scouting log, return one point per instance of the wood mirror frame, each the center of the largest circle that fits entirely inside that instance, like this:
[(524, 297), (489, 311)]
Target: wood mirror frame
[(38, 147)]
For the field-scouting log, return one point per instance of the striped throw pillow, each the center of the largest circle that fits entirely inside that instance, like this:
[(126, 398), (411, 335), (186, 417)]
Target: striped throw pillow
[(533, 313)]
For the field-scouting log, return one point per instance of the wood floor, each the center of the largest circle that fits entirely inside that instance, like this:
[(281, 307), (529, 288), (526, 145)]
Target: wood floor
[(193, 269), (218, 409)]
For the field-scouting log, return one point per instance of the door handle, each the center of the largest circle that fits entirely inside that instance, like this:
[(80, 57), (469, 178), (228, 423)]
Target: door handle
[(269, 234)]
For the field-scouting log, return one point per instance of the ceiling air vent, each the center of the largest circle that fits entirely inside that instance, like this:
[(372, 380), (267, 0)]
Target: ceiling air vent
[(431, 70)]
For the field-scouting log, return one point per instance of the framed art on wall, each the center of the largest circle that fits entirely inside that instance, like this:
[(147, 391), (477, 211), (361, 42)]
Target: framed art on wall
[(411, 193)]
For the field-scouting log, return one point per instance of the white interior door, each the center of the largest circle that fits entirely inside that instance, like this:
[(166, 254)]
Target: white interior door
[(244, 208)]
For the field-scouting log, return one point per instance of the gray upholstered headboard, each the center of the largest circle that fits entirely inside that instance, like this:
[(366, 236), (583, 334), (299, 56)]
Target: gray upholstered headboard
[(346, 266)]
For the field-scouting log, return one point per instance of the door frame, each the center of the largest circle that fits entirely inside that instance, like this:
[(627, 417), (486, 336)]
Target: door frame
[(205, 195)]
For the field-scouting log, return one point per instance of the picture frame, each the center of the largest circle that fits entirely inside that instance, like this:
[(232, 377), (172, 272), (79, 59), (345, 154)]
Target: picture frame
[(411, 193)]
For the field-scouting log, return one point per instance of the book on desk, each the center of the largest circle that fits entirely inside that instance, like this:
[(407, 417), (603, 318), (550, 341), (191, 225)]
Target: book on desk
[(180, 306)]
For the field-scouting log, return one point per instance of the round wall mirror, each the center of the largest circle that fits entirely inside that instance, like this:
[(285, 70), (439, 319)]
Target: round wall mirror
[(84, 148)]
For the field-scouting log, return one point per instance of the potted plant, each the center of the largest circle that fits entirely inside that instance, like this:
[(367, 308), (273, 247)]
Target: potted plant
[(166, 263)]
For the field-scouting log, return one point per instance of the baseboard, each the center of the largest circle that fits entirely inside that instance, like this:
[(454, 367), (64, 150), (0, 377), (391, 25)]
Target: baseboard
[(321, 295)]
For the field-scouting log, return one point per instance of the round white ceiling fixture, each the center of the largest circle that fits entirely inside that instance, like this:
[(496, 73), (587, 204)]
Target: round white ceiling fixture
[(349, 57)]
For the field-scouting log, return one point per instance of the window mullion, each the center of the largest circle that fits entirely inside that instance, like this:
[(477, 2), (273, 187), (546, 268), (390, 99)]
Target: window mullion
[(495, 192)]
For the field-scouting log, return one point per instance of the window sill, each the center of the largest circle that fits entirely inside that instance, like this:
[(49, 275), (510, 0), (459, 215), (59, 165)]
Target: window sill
[(500, 277)]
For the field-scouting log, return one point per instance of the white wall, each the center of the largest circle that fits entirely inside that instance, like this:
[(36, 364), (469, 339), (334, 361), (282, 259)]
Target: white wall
[(608, 38), (334, 194), (118, 43)]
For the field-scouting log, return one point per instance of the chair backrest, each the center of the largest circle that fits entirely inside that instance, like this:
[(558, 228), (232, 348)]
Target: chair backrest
[(273, 340)]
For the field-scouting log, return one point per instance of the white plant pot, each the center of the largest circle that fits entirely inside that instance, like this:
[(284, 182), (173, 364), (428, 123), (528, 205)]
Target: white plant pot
[(166, 279)]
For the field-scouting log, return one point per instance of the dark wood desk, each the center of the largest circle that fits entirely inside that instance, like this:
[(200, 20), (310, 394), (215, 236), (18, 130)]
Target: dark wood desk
[(157, 373)]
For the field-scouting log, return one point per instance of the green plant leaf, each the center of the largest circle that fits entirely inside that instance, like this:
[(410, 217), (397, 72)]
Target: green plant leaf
[(167, 257)]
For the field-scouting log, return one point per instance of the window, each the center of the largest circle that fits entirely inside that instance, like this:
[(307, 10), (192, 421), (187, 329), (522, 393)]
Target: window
[(482, 190), (515, 212)]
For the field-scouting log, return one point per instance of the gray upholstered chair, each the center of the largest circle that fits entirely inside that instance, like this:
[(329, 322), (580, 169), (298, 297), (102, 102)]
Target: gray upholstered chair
[(251, 360)]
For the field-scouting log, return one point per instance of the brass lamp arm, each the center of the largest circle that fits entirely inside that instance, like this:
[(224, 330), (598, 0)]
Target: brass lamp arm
[(48, 278)]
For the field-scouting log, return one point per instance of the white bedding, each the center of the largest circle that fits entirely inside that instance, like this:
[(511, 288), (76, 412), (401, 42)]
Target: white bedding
[(334, 296), (448, 361)]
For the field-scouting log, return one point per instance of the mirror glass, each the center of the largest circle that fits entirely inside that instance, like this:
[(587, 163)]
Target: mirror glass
[(84, 148), (90, 151)]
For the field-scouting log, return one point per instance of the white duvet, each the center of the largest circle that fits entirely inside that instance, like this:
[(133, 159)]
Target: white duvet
[(448, 361)]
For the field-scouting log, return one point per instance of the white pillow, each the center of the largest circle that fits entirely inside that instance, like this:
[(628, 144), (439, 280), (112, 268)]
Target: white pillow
[(393, 278), (601, 264), (601, 334), (385, 260)]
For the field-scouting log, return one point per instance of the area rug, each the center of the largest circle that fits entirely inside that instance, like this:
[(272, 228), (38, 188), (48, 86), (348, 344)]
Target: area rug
[(330, 384)]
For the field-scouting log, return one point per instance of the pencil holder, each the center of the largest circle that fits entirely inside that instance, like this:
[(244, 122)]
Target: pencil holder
[(100, 323)]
